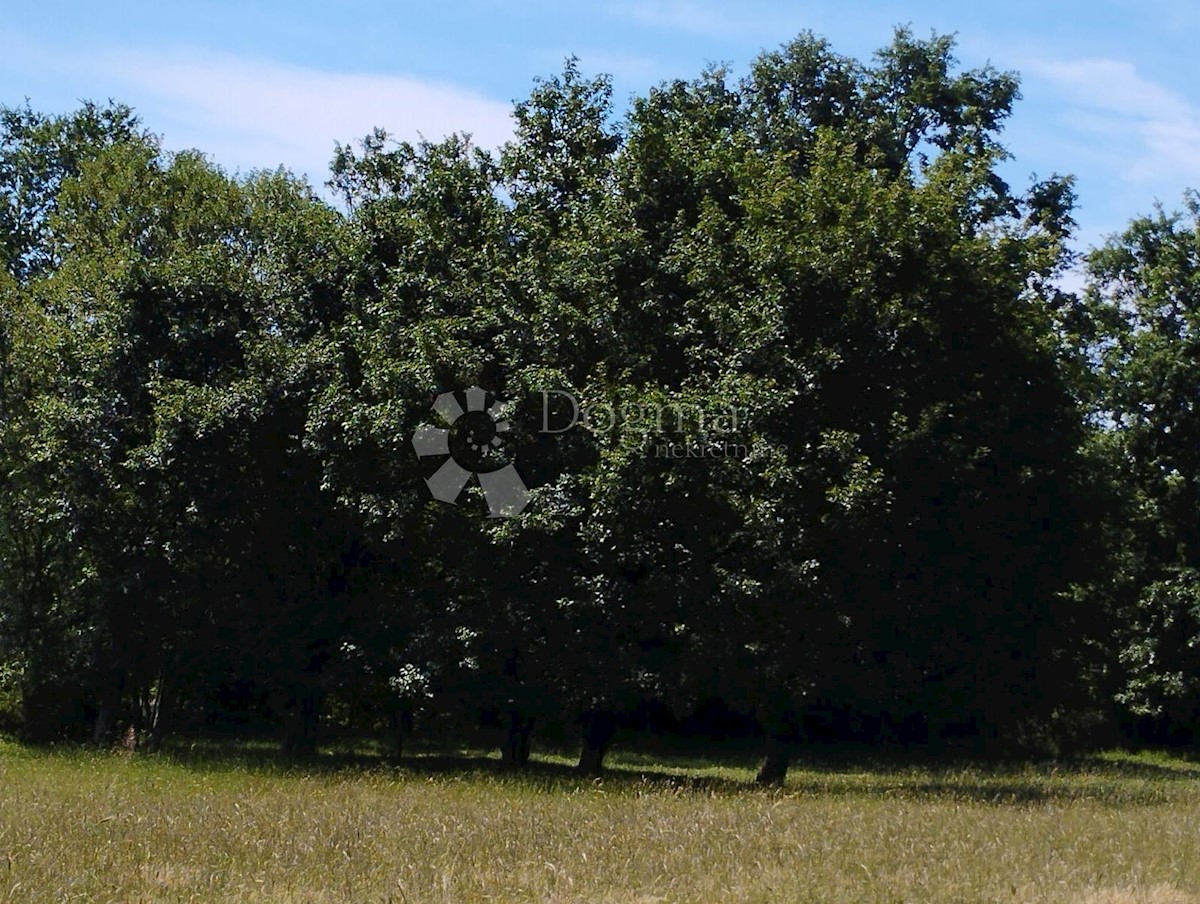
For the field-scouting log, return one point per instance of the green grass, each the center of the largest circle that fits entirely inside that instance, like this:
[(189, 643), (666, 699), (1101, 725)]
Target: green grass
[(198, 824)]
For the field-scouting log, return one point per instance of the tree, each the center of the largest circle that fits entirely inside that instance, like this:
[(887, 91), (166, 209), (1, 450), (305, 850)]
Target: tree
[(1145, 297), (38, 153), (834, 253), (46, 623), (832, 472), (190, 313)]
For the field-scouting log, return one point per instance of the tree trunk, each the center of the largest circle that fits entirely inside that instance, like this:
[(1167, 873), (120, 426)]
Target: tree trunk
[(149, 715), (598, 731), (108, 709), (102, 729), (775, 764), (301, 722), (402, 727), (515, 751)]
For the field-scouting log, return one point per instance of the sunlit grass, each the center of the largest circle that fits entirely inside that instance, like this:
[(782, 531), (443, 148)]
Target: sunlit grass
[(193, 825)]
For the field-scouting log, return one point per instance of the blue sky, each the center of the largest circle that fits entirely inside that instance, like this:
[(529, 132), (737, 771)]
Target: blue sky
[(1110, 89)]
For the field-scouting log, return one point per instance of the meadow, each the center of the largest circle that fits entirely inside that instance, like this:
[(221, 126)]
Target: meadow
[(202, 825)]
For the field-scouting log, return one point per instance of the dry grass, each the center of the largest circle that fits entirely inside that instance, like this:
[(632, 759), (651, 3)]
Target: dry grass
[(96, 828)]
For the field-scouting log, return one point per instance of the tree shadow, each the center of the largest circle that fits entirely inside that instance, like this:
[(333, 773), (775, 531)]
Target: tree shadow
[(1098, 779)]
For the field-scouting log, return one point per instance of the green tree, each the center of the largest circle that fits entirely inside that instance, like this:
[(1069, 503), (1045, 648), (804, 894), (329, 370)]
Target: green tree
[(190, 311), (1145, 297), (46, 625)]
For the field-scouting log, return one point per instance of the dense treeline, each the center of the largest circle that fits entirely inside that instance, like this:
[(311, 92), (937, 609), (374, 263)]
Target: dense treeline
[(851, 464)]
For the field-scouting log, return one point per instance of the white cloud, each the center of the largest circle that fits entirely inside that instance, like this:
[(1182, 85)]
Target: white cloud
[(250, 113), (1150, 133), (259, 113)]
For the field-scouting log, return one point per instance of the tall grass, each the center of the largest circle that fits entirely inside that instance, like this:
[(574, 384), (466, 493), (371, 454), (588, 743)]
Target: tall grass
[(95, 827)]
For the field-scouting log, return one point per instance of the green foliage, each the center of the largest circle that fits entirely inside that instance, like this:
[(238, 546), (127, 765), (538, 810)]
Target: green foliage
[(905, 521), (1146, 298)]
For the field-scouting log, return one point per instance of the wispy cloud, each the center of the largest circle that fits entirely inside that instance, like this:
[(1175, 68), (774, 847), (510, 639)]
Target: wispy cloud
[(682, 15), (627, 69), (235, 106), (251, 113), (624, 66), (1150, 134)]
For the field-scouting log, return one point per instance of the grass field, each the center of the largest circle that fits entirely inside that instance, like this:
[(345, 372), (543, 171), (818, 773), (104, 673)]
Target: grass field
[(96, 827)]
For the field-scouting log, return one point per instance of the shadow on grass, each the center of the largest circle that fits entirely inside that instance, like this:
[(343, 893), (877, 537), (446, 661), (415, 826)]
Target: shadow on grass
[(1116, 779), (540, 773)]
